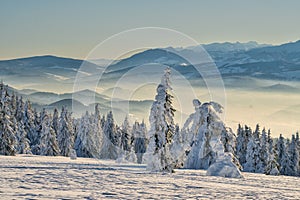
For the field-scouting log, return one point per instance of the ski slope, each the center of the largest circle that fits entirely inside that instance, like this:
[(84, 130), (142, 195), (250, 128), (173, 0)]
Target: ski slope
[(39, 177)]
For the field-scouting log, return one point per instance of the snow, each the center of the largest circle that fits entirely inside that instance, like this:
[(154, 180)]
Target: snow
[(39, 177), (224, 167)]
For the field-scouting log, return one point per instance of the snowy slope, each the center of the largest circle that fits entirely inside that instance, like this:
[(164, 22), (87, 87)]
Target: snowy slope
[(37, 177)]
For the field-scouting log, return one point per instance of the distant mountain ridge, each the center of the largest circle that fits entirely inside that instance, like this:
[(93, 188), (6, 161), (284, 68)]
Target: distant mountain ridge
[(281, 62)]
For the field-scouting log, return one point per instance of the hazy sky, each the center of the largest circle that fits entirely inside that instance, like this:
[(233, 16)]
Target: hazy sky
[(71, 28)]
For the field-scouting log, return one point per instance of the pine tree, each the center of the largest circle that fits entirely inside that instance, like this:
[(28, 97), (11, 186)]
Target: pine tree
[(110, 144), (98, 131), (126, 138), (140, 141), (7, 134), (177, 148), (207, 138), (35, 137), (88, 140), (22, 144), (241, 148), (29, 125), (162, 128), (298, 146), (253, 153), (272, 167), (228, 140), (48, 143), (127, 152), (280, 146), (19, 110), (294, 156), (65, 132), (264, 154), (110, 129), (13, 104), (102, 122), (55, 121), (286, 165)]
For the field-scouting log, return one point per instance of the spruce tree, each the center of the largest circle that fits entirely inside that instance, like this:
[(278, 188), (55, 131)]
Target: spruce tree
[(272, 167), (286, 165), (36, 134), (162, 128), (264, 154), (7, 134), (29, 125), (22, 144), (294, 156), (241, 147), (65, 132), (140, 140), (48, 143), (280, 146), (110, 143), (55, 121), (253, 153), (88, 141), (126, 138)]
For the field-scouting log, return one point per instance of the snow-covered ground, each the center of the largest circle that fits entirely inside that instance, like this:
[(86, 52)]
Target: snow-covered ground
[(38, 177)]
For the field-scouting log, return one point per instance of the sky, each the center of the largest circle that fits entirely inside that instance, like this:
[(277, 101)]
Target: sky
[(72, 28)]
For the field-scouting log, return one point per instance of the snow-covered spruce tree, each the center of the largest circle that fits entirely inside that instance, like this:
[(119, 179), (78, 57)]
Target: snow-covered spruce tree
[(253, 153), (205, 150), (284, 159), (297, 141), (55, 121), (162, 128), (88, 140), (109, 149), (118, 136), (19, 110), (36, 134), (228, 139), (29, 125), (7, 134), (81, 139), (264, 154), (294, 156), (22, 144), (298, 146), (177, 148), (280, 147), (48, 143), (224, 163), (65, 132), (97, 132), (76, 124), (241, 145), (140, 140), (286, 165), (272, 167), (200, 154), (110, 128), (13, 104), (126, 138), (102, 122), (126, 151)]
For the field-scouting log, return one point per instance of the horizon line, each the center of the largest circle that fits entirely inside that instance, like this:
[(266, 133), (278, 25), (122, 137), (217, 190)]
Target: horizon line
[(83, 58)]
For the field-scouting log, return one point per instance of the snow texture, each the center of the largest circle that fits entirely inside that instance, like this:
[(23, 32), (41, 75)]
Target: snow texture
[(39, 177)]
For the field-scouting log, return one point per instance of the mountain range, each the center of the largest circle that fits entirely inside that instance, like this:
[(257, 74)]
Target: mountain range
[(267, 70), (280, 62)]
